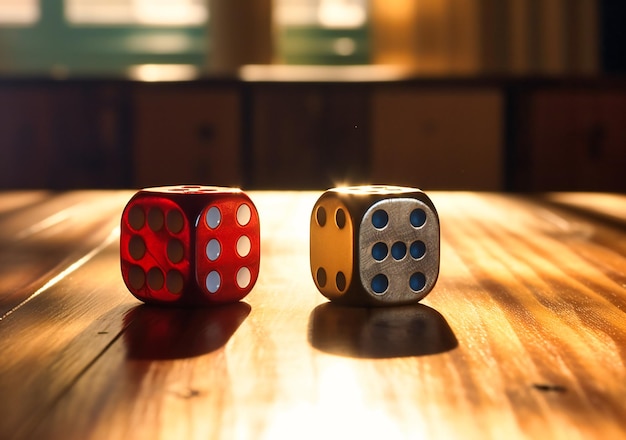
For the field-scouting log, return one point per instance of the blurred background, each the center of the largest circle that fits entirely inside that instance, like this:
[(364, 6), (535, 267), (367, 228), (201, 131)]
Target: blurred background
[(504, 95)]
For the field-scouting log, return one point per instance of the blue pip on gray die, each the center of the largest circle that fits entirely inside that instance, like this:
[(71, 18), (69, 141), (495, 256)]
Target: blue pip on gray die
[(374, 245)]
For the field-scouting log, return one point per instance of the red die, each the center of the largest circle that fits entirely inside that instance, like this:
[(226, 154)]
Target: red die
[(190, 245)]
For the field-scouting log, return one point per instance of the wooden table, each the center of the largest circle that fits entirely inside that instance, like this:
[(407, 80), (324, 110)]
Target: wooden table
[(524, 336)]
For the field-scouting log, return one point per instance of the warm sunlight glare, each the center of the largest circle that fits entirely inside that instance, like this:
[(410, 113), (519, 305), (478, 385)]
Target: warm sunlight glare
[(341, 13), (19, 12), (146, 12), (163, 72)]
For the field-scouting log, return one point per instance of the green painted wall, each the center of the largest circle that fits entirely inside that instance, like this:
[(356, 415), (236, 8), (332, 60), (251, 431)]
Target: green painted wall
[(52, 45)]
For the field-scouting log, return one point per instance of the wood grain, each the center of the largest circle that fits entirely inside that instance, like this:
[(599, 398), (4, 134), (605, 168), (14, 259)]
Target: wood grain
[(523, 337), (45, 233)]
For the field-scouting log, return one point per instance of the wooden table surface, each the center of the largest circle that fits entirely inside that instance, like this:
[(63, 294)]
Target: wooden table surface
[(524, 335)]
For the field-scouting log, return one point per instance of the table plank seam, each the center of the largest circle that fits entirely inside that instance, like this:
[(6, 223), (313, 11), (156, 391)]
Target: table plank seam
[(67, 271)]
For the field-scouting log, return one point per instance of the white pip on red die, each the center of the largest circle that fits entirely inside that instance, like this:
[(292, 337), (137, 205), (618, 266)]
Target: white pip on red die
[(374, 245), (190, 245)]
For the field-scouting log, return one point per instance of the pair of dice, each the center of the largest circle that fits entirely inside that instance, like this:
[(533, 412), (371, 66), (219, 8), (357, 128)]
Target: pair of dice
[(199, 245)]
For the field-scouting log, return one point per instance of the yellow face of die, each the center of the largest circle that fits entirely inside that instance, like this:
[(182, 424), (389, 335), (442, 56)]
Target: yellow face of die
[(331, 247)]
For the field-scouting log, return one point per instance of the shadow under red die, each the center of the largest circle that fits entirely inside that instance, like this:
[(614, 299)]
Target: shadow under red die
[(190, 245)]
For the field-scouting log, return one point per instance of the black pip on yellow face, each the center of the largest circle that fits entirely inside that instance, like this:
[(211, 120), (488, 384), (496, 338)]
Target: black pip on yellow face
[(374, 245)]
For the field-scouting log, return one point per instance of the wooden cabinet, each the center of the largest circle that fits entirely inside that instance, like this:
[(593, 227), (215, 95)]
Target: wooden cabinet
[(25, 137), (186, 133), (573, 139), (437, 138), (520, 134), (309, 136), (62, 135)]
